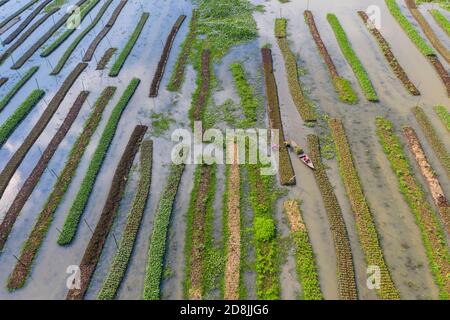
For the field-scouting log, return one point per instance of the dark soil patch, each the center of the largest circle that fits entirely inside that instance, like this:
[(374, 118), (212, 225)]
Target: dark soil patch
[(204, 89), (442, 72), (3, 81), (106, 58)]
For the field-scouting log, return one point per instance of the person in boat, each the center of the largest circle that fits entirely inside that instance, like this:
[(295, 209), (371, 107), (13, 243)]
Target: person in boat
[(299, 152)]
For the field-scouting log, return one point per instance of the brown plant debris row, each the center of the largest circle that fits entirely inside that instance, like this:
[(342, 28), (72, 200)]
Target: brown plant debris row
[(442, 72), (58, 24), (430, 177), (344, 259), (204, 90), (19, 155), (287, 175), (26, 22), (3, 81), (178, 75), (232, 267), (198, 234), (165, 56), (429, 33), (32, 244), (8, 52), (95, 246), (33, 179), (393, 62), (106, 58), (94, 44)]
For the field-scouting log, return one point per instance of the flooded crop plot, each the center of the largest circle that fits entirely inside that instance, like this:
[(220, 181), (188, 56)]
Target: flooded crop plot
[(224, 150)]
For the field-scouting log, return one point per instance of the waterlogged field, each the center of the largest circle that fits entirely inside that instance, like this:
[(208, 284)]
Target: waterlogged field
[(87, 180)]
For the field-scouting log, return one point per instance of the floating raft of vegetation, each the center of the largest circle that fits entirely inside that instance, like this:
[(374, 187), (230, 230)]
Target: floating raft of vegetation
[(427, 30), (432, 234), (165, 56), (429, 175), (202, 94), (26, 22), (201, 202), (112, 20), (444, 115), (301, 101), (15, 89), (343, 86), (106, 58), (367, 233), (31, 246), (433, 139), (84, 11), (95, 246), (58, 24), (66, 55), (10, 50), (79, 203), (441, 20), (178, 72), (19, 155), (287, 175), (305, 260), (33, 179), (120, 61), (345, 270), (3, 81), (353, 60), (158, 237), (8, 127), (393, 62)]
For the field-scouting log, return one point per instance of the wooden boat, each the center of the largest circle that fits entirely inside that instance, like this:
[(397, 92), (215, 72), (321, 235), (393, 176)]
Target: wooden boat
[(300, 153)]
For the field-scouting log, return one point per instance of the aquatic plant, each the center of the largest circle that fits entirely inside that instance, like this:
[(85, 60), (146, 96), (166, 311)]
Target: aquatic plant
[(16, 88), (444, 115), (441, 20)]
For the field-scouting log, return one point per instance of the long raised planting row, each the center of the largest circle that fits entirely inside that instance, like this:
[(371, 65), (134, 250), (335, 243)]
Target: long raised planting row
[(66, 55), (387, 52), (201, 202), (95, 246), (301, 101), (11, 93), (31, 246), (178, 72), (233, 229), (106, 29), (286, 172), (343, 86), (433, 139), (26, 22), (55, 27), (165, 56), (353, 60), (78, 205), (158, 238), (10, 50), (2, 2), (420, 43), (19, 155), (8, 127), (427, 30), (305, 260), (344, 260), (429, 175), (432, 234), (120, 61), (121, 259), (365, 225), (441, 20), (106, 58), (35, 175), (84, 11), (17, 13), (444, 115)]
